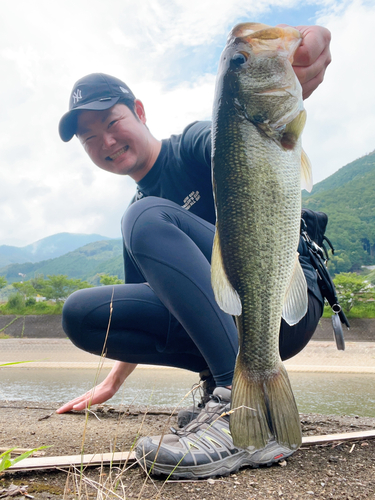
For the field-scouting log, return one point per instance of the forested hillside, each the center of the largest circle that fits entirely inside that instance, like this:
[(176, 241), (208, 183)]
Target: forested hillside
[(47, 248), (348, 198), (84, 263)]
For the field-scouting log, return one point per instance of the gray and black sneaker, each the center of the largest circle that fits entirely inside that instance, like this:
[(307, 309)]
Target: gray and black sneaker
[(204, 448), (207, 385)]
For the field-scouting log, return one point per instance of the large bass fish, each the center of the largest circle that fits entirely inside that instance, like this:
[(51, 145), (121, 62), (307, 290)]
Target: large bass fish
[(258, 164)]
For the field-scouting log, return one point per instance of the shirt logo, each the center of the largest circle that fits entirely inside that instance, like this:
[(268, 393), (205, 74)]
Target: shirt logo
[(138, 195), (77, 96), (190, 200)]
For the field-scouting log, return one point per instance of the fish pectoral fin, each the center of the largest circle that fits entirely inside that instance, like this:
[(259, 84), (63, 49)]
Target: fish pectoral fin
[(293, 131), (306, 173), (225, 295), (296, 299)]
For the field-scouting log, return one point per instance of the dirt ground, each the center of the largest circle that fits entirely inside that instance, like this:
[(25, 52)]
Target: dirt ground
[(342, 471)]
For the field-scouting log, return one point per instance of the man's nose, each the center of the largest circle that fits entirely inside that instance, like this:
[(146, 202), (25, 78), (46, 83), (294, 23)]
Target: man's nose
[(108, 140)]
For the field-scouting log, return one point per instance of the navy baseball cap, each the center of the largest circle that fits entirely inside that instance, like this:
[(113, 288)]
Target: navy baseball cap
[(95, 92)]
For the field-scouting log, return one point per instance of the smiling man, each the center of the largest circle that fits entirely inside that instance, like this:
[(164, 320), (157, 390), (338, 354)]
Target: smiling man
[(112, 129), (166, 313)]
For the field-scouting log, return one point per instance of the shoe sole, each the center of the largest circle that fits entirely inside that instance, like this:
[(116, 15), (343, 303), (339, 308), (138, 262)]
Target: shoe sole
[(222, 467)]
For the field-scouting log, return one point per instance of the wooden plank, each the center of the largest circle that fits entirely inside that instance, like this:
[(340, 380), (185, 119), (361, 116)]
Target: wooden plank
[(345, 436), (129, 457), (74, 460)]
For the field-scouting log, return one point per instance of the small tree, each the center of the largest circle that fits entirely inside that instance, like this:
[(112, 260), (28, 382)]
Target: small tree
[(25, 288), (352, 289), (107, 279), (3, 282), (59, 287), (16, 302)]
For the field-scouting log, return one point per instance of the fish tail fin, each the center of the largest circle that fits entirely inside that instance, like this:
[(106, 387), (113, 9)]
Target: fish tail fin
[(264, 409)]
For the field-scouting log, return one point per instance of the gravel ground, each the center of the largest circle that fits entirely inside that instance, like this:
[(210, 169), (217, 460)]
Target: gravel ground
[(339, 470)]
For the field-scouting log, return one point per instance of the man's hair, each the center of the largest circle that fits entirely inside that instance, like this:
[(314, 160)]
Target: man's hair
[(94, 92), (130, 103)]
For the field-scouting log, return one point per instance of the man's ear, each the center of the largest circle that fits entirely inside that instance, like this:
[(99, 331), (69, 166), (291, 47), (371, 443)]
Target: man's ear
[(140, 110)]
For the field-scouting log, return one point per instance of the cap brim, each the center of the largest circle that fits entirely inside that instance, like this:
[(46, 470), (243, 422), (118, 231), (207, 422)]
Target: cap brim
[(68, 123)]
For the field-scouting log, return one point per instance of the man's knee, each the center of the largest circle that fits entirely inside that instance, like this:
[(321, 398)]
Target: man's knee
[(142, 220), (73, 314)]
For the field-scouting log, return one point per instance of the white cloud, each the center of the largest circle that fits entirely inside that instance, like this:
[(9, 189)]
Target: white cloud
[(341, 113), (166, 51)]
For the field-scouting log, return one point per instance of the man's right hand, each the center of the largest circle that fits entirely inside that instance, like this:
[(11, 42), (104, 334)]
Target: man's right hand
[(103, 391)]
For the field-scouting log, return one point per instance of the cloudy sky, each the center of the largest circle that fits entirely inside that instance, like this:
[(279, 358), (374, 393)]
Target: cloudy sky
[(167, 51)]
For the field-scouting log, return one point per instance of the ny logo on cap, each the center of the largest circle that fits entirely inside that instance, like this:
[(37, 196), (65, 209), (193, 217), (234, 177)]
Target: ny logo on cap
[(77, 96), (124, 90)]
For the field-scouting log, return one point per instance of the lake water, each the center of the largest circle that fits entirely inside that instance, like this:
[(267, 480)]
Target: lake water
[(326, 393)]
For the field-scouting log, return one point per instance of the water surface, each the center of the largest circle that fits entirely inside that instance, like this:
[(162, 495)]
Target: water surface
[(326, 393)]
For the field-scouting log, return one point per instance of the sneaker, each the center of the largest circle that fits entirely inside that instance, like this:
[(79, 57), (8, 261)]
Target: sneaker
[(185, 416), (204, 448)]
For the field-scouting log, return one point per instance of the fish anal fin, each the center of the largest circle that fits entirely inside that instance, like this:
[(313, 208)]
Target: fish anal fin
[(296, 299), (264, 409), (306, 173), (225, 295)]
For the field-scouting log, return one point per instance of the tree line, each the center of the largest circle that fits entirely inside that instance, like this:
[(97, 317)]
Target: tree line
[(55, 288), (355, 292)]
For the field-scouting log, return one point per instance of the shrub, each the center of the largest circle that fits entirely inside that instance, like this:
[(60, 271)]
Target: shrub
[(16, 302)]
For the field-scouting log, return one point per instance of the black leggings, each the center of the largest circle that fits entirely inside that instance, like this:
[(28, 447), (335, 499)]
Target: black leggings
[(172, 319)]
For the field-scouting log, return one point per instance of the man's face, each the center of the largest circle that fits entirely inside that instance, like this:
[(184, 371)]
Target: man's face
[(115, 139)]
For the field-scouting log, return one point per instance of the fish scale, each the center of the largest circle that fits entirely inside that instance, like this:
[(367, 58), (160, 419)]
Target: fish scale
[(256, 157)]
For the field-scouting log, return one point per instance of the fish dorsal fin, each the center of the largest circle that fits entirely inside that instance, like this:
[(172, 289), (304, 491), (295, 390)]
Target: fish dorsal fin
[(295, 302), (225, 295), (306, 173)]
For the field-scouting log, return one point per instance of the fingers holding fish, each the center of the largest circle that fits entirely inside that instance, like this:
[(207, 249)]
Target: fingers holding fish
[(312, 57)]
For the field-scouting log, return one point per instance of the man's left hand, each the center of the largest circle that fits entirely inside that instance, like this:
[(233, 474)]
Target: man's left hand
[(312, 57)]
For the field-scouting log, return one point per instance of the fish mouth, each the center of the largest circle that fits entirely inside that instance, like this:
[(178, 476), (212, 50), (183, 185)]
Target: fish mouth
[(262, 37), (118, 153)]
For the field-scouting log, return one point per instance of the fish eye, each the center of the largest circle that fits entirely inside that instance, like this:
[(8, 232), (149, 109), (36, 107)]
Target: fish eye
[(239, 59)]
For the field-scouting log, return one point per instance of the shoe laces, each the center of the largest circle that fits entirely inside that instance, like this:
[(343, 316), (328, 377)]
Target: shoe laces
[(213, 407)]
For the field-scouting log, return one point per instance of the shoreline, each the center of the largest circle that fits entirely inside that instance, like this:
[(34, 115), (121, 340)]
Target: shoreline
[(317, 356)]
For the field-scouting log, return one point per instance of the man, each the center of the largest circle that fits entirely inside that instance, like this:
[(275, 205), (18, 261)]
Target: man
[(166, 313)]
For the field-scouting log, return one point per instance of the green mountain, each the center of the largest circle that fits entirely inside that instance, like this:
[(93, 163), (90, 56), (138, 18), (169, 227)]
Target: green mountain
[(348, 198), (46, 248), (84, 263)]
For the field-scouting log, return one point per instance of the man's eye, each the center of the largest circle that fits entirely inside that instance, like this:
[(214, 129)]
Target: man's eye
[(88, 139), (113, 122)]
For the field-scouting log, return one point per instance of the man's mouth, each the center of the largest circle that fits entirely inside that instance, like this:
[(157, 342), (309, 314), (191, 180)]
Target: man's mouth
[(117, 154)]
